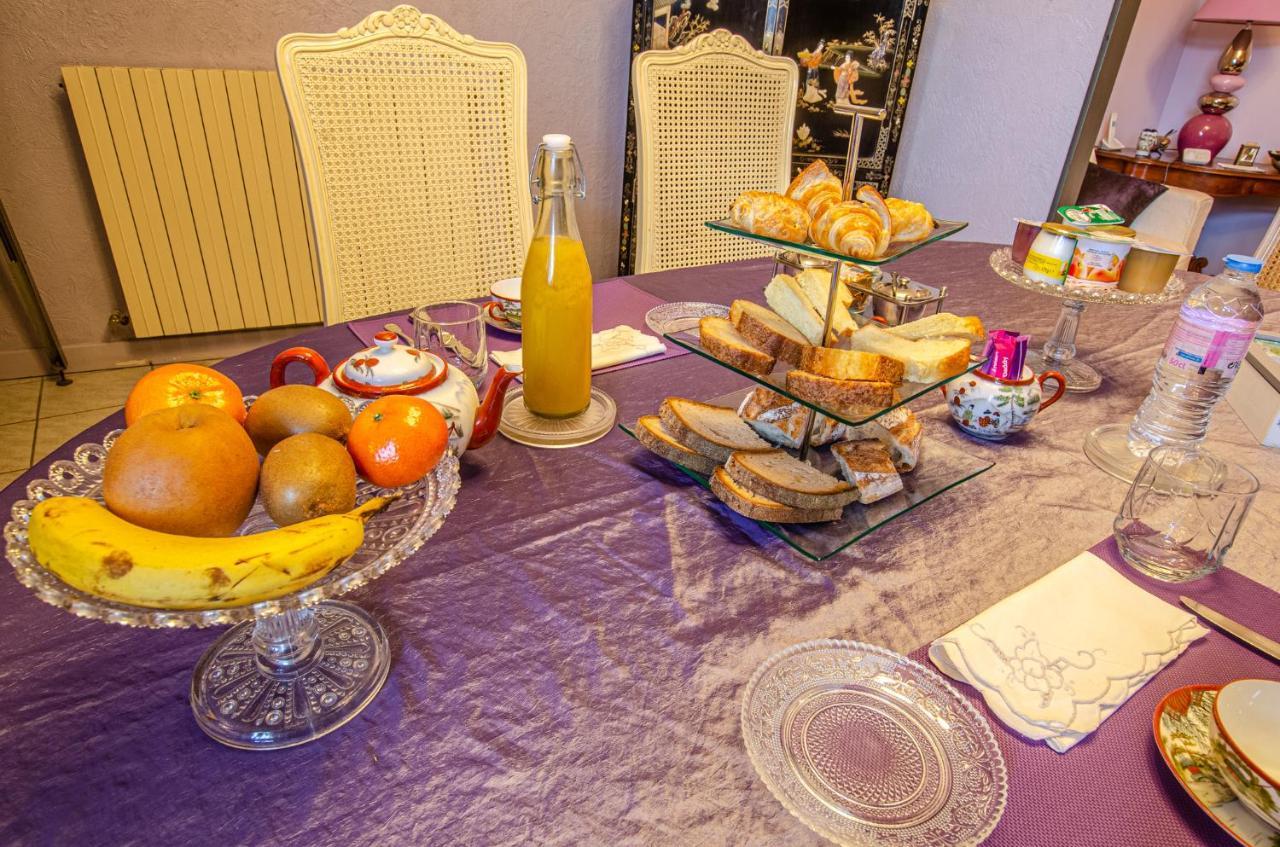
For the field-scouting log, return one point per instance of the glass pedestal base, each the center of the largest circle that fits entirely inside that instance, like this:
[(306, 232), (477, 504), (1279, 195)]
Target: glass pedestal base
[(1108, 448), (290, 678), (1081, 377), (524, 427)]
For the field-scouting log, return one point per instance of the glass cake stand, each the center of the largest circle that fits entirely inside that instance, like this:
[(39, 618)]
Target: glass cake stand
[(291, 669), (1060, 350)]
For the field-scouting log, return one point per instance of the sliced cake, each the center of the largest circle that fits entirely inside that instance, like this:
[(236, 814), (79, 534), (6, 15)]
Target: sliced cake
[(900, 431), (712, 431), (758, 507), (868, 466), (721, 339), (816, 285), (927, 360), (781, 420), (941, 325), (652, 434), (768, 331), (784, 296), (782, 477), (851, 364)]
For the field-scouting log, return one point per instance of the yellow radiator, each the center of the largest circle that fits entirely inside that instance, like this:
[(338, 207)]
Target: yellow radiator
[(201, 196)]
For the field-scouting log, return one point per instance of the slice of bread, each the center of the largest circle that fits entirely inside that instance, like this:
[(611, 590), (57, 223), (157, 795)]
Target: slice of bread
[(786, 298), (900, 431), (816, 285), (768, 331), (781, 477), (721, 339), (941, 325), (712, 431), (652, 434), (867, 465), (749, 504), (851, 364), (926, 360), (847, 397), (780, 420)]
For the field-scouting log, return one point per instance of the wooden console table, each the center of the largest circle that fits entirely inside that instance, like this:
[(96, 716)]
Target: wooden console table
[(1216, 182)]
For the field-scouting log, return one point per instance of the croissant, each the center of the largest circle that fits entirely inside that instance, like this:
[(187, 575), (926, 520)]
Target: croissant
[(911, 220), (816, 188), (851, 228), (769, 214), (872, 198)]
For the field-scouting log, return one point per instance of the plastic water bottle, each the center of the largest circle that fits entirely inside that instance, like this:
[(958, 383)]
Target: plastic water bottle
[(1202, 355)]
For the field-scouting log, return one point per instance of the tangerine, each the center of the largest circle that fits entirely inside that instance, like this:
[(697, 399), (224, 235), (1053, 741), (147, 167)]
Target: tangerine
[(178, 384), (397, 440)]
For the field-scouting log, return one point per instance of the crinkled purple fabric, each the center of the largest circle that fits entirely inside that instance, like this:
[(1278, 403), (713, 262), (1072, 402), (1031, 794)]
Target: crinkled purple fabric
[(570, 650)]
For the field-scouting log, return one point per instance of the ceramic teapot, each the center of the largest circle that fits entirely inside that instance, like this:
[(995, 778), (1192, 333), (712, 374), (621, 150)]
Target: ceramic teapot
[(389, 367), (992, 408)]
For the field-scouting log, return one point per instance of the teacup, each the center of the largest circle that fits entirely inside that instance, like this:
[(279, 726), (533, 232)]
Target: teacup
[(1246, 714), (506, 296), (993, 408)]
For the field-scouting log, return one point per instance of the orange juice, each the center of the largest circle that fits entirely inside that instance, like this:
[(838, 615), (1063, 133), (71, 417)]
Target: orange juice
[(555, 296)]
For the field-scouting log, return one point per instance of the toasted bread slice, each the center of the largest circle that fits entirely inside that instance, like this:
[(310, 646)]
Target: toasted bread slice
[(784, 296), (780, 476), (768, 331), (721, 339), (652, 434), (749, 504), (781, 421), (712, 431), (848, 397), (941, 325), (816, 285), (867, 465), (851, 364), (926, 360)]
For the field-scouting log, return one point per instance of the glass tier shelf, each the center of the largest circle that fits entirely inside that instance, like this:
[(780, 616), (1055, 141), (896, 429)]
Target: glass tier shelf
[(942, 467), (942, 229), (777, 381)]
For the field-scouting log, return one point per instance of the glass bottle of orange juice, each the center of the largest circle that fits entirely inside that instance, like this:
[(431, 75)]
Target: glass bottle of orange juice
[(555, 289)]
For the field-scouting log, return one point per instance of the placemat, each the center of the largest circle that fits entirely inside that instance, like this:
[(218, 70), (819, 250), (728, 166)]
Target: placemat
[(614, 302), (1113, 788)]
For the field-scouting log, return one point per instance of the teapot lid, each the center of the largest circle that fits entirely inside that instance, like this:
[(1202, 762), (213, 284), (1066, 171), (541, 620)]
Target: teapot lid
[(389, 367)]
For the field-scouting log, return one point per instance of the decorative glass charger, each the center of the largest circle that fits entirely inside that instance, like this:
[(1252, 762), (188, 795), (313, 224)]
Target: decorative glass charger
[(941, 468), (867, 747), (1059, 352), (293, 668), (942, 229), (524, 427), (682, 316)]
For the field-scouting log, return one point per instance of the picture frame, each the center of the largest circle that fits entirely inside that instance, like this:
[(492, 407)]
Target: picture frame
[(1247, 155)]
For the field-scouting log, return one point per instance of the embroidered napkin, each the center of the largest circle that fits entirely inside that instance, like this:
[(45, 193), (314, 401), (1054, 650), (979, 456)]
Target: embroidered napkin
[(609, 347), (1059, 656)]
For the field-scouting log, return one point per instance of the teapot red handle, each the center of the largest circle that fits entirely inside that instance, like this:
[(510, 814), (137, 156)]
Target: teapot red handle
[(313, 360), (1062, 386)]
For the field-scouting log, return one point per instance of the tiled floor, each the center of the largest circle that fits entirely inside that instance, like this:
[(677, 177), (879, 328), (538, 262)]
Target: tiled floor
[(37, 415)]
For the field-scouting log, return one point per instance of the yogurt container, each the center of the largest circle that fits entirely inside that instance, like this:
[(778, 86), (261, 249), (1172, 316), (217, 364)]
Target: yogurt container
[(1050, 254), (1099, 257)]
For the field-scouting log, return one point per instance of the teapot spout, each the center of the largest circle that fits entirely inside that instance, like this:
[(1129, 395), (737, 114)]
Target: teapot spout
[(490, 413)]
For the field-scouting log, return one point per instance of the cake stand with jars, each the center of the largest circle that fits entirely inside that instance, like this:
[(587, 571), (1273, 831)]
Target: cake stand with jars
[(291, 669), (1059, 353)]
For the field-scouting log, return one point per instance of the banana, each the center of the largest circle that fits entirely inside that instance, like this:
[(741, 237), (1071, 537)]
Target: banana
[(91, 549)]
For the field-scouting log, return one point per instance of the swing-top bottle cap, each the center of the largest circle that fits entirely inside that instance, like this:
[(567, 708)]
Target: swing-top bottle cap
[(556, 141)]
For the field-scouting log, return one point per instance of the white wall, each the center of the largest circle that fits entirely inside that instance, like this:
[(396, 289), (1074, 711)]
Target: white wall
[(1149, 67), (997, 96)]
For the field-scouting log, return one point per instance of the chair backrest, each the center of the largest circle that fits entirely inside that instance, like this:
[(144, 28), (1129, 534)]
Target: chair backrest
[(714, 118), (414, 150), (1269, 252)]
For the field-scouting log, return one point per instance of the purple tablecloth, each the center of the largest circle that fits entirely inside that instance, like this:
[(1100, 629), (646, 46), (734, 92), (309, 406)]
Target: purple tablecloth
[(570, 650)]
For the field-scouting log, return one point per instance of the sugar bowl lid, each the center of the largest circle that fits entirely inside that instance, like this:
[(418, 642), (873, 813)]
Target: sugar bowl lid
[(389, 367)]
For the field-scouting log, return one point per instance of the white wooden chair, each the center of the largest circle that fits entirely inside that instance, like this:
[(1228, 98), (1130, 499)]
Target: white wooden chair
[(714, 118), (414, 151)]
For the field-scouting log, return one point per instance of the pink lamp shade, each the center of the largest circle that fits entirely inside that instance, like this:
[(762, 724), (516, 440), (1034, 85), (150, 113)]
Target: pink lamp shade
[(1259, 12)]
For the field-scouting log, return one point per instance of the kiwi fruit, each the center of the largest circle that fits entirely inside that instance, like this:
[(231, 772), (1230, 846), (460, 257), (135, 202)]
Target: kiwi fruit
[(307, 476), (294, 409)]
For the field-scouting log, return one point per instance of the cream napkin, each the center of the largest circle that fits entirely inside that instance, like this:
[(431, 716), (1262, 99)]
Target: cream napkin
[(1059, 656), (609, 347)]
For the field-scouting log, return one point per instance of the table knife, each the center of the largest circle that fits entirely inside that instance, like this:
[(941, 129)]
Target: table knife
[(1237, 630)]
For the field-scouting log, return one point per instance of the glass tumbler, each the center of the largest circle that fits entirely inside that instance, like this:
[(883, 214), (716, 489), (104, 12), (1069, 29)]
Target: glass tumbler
[(1182, 513), (454, 331)]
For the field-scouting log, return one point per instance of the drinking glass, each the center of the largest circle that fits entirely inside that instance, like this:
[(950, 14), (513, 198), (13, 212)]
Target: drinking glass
[(1182, 513), (454, 331)]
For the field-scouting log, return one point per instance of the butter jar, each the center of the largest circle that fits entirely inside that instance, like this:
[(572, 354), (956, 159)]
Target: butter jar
[(1050, 254)]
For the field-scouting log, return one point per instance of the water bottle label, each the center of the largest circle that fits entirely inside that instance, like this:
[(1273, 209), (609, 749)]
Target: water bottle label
[(1198, 349)]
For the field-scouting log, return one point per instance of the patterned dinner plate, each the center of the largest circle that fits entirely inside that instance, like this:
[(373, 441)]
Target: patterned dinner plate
[(682, 316), (1181, 727), (868, 747)]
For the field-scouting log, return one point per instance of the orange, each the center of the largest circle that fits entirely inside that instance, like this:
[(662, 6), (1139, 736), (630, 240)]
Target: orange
[(397, 440), (177, 385)]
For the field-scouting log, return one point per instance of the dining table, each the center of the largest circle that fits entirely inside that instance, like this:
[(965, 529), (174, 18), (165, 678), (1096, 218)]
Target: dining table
[(570, 650)]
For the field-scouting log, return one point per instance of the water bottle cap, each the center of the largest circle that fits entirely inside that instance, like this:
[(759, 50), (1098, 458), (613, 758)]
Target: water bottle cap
[(1238, 262), (557, 141)]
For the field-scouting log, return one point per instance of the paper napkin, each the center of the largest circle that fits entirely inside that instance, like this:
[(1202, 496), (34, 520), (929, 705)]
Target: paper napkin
[(609, 347), (1059, 656)]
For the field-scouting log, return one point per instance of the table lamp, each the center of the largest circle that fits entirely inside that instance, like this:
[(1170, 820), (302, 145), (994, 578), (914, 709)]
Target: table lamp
[(1211, 130)]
